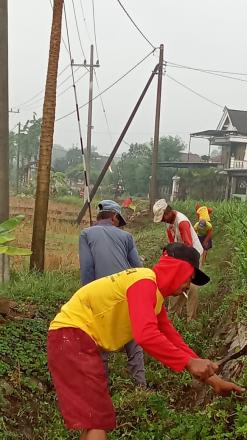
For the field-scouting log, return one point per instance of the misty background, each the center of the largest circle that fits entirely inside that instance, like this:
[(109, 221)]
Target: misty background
[(202, 34)]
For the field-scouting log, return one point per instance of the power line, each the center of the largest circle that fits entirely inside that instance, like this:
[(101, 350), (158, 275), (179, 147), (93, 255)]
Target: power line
[(104, 110), (137, 27), (41, 91), (77, 27), (79, 123), (85, 23), (59, 94), (208, 72), (12, 129), (68, 88), (36, 101), (194, 91), (94, 30), (109, 87)]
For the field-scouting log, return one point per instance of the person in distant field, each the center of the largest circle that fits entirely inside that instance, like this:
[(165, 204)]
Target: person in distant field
[(179, 229), (204, 231), (203, 212), (127, 202), (108, 313), (105, 249)]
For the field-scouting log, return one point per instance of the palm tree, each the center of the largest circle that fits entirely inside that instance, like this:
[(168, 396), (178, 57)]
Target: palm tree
[(46, 142)]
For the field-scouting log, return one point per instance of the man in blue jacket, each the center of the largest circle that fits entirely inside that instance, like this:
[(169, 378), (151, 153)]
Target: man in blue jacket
[(105, 249)]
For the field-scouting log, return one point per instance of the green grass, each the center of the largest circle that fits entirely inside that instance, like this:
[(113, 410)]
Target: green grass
[(167, 411)]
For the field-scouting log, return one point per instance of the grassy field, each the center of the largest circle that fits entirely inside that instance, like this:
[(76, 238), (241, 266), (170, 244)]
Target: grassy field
[(173, 408)]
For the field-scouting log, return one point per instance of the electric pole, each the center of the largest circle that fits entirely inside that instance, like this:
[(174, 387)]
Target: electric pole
[(4, 130), (90, 113), (18, 158), (153, 186), (91, 67)]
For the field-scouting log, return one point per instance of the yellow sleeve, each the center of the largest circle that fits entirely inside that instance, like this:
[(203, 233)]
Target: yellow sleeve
[(196, 226), (209, 226)]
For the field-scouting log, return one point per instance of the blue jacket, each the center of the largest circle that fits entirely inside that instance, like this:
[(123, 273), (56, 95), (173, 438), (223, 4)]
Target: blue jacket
[(105, 249)]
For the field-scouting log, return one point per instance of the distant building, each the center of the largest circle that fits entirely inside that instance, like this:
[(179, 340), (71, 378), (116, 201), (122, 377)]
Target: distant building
[(231, 136), (190, 157)]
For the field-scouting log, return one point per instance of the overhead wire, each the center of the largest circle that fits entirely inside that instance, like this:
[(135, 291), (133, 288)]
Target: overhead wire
[(85, 23), (78, 121), (36, 101), (41, 91), (208, 72), (68, 88), (103, 109), (77, 28), (194, 91), (109, 87), (58, 94), (15, 126), (94, 30), (97, 80), (137, 27)]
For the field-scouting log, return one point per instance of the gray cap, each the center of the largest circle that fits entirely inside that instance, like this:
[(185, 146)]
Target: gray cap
[(111, 206)]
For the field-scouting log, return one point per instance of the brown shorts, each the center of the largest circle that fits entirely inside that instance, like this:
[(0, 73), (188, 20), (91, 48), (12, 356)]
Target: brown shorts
[(80, 381)]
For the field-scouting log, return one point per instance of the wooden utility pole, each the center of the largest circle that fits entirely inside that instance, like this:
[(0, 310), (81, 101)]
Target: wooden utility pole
[(18, 158), (4, 130), (91, 67), (37, 259), (153, 186)]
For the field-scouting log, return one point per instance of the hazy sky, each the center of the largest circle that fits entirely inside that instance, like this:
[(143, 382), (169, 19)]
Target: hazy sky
[(207, 34)]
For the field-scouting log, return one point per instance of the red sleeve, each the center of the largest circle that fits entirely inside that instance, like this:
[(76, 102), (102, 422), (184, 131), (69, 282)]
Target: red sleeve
[(210, 210), (145, 327), (184, 228), (171, 333), (169, 235)]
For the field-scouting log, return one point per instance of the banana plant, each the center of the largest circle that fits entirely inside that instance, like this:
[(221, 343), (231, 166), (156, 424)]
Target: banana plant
[(6, 237)]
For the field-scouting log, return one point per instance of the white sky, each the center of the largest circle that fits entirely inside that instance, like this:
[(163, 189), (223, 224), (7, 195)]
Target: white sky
[(206, 34)]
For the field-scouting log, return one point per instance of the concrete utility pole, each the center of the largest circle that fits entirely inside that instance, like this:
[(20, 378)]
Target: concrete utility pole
[(18, 158), (4, 130), (153, 186), (91, 67), (90, 114)]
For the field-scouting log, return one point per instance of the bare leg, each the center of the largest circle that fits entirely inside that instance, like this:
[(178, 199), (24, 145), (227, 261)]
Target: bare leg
[(204, 257), (94, 434), (192, 303)]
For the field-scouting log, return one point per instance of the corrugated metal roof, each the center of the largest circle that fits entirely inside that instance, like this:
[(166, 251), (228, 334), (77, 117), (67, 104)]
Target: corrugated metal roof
[(239, 120)]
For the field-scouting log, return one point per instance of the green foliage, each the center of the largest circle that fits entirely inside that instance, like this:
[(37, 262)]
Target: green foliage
[(206, 184), (168, 409), (134, 168), (6, 227), (70, 160)]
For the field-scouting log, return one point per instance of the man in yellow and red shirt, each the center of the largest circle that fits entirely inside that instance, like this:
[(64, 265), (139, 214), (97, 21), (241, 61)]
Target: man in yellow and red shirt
[(105, 315), (204, 231), (203, 212)]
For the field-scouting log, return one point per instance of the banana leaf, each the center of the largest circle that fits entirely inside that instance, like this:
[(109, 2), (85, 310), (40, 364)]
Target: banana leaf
[(12, 251), (11, 223), (6, 238)]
